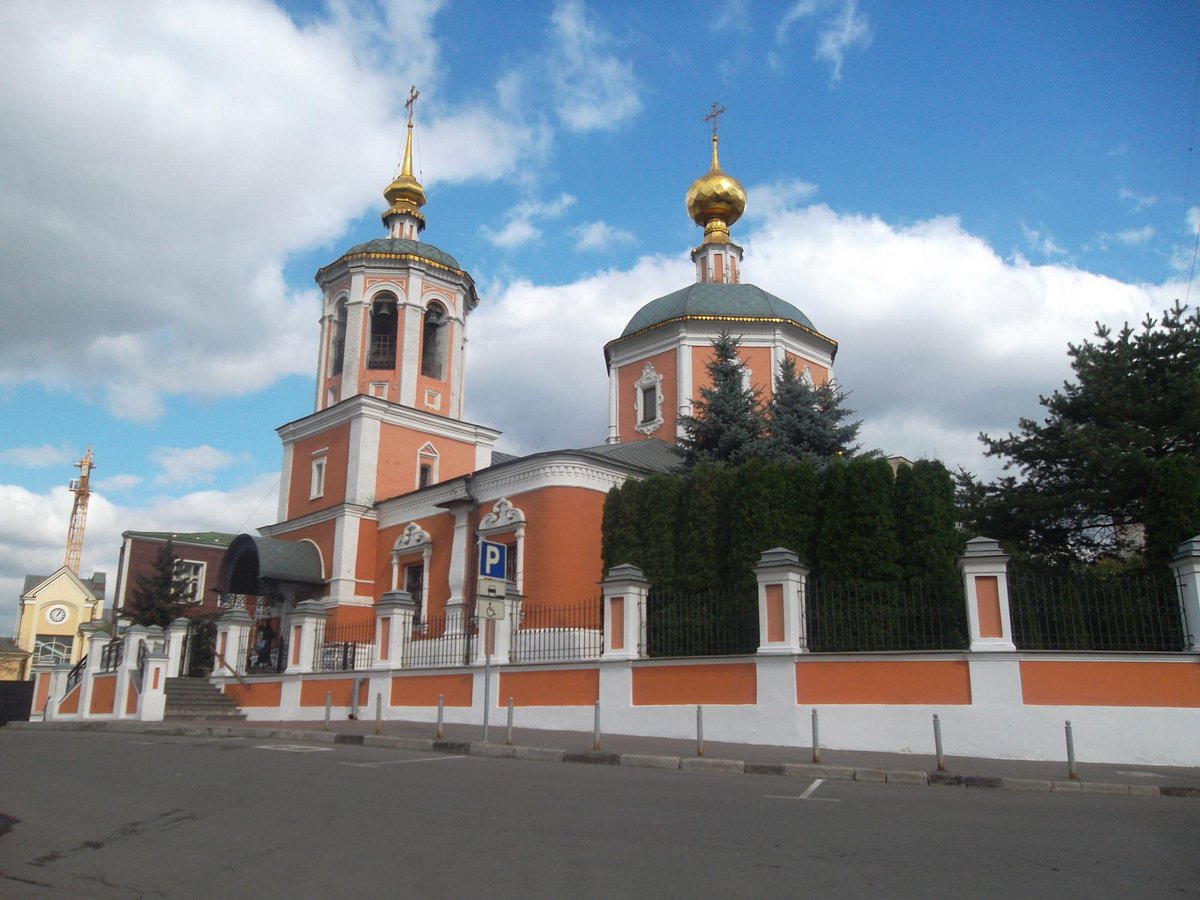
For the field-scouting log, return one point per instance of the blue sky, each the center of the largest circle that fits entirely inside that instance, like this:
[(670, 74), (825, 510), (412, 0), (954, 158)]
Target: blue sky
[(953, 191)]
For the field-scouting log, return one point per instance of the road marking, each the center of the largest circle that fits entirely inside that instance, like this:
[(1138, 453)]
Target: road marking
[(399, 762), (807, 795), (1141, 774), (144, 742), (292, 748)]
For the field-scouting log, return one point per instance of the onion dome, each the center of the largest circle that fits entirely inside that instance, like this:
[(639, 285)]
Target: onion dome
[(404, 195), (715, 201)]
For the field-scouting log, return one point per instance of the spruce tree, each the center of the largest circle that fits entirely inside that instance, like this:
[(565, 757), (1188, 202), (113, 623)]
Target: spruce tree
[(806, 422), (160, 597), (857, 533), (1172, 507), (702, 532), (925, 516), (726, 424)]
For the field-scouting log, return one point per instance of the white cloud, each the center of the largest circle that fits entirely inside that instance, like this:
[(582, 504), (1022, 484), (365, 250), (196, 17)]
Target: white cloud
[(118, 483), (33, 532), (766, 200), (40, 457), (1042, 241), (1133, 236), (601, 236), (191, 465), (170, 166), (841, 31), (520, 229), (1135, 201), (592, 88), (731, 16)]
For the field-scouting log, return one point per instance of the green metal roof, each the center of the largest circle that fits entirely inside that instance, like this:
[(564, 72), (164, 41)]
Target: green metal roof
[(402, 247), (716, 301), (216, 538)]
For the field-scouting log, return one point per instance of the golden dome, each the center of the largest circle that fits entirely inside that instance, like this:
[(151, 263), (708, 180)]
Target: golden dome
[(715, 201), (405, 194)]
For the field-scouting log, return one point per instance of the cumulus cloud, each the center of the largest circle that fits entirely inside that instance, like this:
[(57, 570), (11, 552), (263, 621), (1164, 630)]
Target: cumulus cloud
[(598, 236), (190, 465), (520, 229), (168, 171), (593, 89), (33, 535), (40, 457)]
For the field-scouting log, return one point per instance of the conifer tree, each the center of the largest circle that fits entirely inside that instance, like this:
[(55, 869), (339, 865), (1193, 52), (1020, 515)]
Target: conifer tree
[(160, 597), (1172, 507), (806, 422), (857, 533), (726, 424), (702, 543), (925, 517)]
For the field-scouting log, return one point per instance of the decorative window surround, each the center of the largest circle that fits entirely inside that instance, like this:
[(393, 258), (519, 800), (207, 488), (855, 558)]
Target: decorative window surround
[(427, 466), (316, 484), (503, 518), (650, 381), (433, 399), (412, 541), (193, 571)]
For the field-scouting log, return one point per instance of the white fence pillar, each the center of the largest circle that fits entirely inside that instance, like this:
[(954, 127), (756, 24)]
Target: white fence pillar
[(393, 627), (302, 635), (1187, 574), (625, 592), (176, 635), (57, 686), (984, 568), (233, 635), (782, 590), (153, 701)]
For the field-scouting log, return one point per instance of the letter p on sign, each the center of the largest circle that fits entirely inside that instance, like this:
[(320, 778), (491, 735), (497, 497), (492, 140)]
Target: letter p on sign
[(492, 559)]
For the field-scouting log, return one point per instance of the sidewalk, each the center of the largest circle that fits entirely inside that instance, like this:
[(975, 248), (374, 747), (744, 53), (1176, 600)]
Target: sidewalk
[(627, 750)]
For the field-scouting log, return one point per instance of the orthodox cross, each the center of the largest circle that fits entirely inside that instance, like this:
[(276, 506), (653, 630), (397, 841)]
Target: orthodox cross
[(413, 94), (712, 116)]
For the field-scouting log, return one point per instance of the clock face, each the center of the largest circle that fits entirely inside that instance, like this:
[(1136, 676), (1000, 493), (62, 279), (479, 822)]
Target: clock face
[(57, 614)]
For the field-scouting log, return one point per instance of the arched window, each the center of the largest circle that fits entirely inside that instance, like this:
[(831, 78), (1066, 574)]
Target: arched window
[(337, 339), (434, 337), (410, 567), (383, 333)]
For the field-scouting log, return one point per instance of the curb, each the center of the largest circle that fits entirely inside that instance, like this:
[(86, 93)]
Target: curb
[(632, 760)]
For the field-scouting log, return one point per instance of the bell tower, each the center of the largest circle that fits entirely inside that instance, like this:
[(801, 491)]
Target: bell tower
[(395, 309)]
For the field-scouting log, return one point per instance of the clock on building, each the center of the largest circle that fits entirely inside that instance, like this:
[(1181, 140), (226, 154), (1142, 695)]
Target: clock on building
[(57, 614)]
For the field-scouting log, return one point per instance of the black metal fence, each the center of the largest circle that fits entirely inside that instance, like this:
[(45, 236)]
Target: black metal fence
[(862, 616), (344, 646), (561, 632), (1060, 608), (431, 646), (721, 623), (268, 657), (111, 655)]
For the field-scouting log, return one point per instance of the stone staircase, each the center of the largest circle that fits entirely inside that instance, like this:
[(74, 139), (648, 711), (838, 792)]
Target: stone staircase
[(196, 698)]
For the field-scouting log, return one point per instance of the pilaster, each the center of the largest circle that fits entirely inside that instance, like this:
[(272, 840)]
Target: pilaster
[(626, 590), (302, 635), (782, 584), (984, 568)]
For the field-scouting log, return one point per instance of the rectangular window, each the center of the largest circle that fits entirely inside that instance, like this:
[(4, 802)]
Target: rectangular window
[(52, 649), (649, 403), (317, 482), (426, 477), (193, 573), (510, 564), (414, 583)]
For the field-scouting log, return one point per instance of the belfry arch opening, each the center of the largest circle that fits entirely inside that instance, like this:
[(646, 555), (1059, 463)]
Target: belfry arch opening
[(435, 335), (382, 354), (337, 339)]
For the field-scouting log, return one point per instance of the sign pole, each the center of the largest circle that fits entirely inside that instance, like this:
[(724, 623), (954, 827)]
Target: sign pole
[(488, 631)]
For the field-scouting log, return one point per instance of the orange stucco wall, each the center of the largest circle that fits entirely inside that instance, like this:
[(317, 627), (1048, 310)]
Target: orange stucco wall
[(103, 696), (616, 607), (774, 594), (627, 418), (257, 694), (364, 560), (733, 683), (987, 601), (562, 544), (441, 533), (945, 682), (70, 703), (312, 693), (41, 692), (397, 471), (1087, 683), (570, 687), (423, 690), (337, 442), (820, 374), (320, 534)]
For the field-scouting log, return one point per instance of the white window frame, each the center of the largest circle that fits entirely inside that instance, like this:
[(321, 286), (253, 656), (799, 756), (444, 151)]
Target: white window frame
[(413, 540), (506, 519), (378, 389), (649, 379), (316, 482), (428, 454), (195, 577)]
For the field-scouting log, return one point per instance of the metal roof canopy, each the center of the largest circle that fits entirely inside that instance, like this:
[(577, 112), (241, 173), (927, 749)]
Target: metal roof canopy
[(253, 562)]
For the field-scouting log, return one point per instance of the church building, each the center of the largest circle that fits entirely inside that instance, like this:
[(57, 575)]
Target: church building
[(386, 488)]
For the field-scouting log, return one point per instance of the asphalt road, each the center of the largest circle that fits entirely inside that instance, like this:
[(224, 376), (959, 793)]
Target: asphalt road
[(127, 815)]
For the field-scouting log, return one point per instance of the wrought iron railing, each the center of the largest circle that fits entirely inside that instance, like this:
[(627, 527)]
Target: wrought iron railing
[(344, 647), (720, 623), (1060, 608), (382, 353), (143, 652), (75, 675), (561, 632), (433, 644), (111, 655), (853, 616), (269, 658)]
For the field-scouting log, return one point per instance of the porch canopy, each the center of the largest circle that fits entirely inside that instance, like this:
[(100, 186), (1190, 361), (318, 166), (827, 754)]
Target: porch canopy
[(265, 566)]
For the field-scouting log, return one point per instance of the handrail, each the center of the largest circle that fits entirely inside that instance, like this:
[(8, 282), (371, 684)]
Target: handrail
[(240, 680), (75, 675)]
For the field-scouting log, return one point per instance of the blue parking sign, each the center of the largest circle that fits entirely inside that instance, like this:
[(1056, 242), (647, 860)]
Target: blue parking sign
[(492, 558)]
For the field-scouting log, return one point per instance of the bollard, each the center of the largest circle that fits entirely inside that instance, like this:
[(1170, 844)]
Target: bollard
[(328, 708), (816, 748), (1071, 773), (699, 730), (441, 712), (596, 728), (508, 736), (937, 743), (378, 713)]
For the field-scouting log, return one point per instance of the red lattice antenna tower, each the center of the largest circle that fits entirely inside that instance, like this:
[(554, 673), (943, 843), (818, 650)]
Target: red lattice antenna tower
[(79, 487)]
